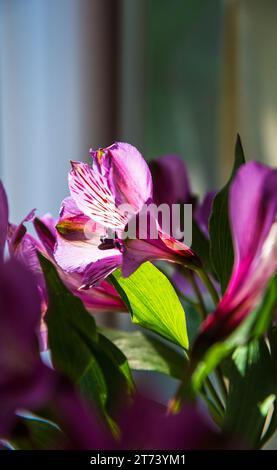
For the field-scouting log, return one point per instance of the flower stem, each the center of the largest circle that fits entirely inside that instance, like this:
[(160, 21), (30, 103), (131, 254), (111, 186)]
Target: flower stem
[(209, 285), (221, 383), (214, 395), (202, 307)]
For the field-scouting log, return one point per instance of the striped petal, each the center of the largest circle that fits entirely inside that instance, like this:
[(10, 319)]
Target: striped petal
[(92, 195)]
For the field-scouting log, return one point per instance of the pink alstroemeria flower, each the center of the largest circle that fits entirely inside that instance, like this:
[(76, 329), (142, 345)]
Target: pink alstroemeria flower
[(118, 176), (253, 217)]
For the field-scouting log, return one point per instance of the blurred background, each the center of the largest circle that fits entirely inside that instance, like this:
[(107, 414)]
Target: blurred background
[(169, 76), (180, 76)]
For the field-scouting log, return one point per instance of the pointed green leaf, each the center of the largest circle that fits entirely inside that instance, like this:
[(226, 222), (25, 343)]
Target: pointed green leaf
[(153, 303), (221, 245), (149, 353), (31, 433), (95, 364), (250, 375)]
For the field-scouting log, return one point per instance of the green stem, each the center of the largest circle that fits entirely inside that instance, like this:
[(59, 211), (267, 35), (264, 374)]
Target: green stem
[(221, 383), (214, 395), (202, 307), (209, 285)]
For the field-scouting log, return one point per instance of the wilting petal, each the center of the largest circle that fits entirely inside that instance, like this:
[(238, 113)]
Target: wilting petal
[(203, 212), (92, 195), (23, 247), (45, 227), (253, 213), (127, 173), (170, 181), (4, 215)]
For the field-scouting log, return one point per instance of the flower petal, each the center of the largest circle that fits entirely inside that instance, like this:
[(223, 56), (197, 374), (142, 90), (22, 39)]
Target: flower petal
[(76, 255), (253, 207), (253, 213), (170, 180), (4, 215), (92, 195), (203, 212), (127, 173), (99, 270)]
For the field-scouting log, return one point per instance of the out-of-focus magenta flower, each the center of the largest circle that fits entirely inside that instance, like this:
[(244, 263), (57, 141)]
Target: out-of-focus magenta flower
[(26, 383), (171, 183), (119, 176), (253, 217), (147, 425), (4, 216), (203, 212)]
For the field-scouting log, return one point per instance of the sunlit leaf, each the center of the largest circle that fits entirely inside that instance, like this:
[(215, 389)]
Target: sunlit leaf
[(153, 303)]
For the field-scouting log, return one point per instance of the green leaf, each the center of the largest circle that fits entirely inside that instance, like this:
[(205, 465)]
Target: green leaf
[(201, 246), (35, 434), (153, 303), (250, 375), (145, 352), (221, 245), (95, 364)]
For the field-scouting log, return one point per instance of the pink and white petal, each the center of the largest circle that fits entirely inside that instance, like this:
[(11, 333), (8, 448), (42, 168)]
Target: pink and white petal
[(76, 255), (96, 272), (129, 176), (69, 208), (102, 299), (92, 195), (137, 252)]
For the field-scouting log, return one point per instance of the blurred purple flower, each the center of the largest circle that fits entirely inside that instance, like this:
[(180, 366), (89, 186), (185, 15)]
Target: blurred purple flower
[(253, 216), (25, 382), (147, 425), (170, 181), (203, 212), (4, 216), (171, 185)]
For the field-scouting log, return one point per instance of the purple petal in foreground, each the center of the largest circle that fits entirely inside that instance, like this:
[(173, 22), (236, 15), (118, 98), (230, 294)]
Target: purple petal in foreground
[(170, 180), (203, 212), (4, 215)]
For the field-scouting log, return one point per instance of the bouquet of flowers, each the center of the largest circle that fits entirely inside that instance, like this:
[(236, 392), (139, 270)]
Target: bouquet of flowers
[(200, 286)]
